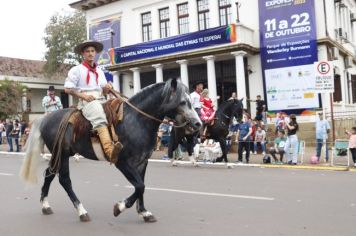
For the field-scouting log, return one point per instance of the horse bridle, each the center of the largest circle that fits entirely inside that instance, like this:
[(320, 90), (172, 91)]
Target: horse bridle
[(125, 100)]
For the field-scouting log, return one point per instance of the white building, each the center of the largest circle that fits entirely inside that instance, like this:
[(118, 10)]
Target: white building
[(227, 67)]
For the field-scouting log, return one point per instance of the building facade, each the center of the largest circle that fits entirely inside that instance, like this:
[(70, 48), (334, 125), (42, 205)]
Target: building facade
[(30, 74), (227, 67)]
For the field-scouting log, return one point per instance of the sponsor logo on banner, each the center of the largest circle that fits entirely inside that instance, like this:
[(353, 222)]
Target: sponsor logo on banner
[(288, 53)]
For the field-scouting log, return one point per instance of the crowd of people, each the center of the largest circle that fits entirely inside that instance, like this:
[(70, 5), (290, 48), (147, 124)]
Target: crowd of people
[(251, 134), (13, 132)]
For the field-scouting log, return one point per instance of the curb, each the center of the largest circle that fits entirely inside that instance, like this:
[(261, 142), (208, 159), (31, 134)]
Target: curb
[(13, 153), (333, 168), (231, 165)]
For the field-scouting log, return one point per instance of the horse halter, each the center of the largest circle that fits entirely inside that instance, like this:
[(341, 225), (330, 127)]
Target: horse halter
[(125, 100)]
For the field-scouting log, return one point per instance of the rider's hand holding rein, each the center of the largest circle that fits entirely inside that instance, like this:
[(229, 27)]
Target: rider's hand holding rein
[(106, 88)]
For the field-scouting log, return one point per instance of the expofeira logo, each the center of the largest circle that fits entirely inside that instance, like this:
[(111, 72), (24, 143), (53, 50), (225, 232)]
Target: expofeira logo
[(231, 33)]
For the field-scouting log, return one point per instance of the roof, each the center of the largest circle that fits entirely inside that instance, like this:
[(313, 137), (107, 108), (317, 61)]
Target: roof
[(90, 4), (28, 68)]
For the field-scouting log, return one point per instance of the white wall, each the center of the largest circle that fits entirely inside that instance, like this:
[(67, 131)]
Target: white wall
[(256, 80)]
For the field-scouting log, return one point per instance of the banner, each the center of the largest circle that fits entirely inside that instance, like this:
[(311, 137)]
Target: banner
[(179, 43), (108, 33), (288, 52)]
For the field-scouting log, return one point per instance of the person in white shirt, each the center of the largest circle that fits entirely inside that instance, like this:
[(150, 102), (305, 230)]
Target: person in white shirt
[(51, 102), (260, 138), (322, 129), (195, 96), (88, 83)]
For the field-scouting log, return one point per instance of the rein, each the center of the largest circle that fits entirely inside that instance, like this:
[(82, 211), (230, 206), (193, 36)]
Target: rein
[(125, 100)]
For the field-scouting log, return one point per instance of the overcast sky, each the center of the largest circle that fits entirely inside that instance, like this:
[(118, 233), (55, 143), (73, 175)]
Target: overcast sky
[(22, 24)]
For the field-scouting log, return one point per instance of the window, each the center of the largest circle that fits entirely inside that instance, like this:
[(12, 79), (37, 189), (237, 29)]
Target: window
[(203, 14), (164, 22), (146, 26), (183, 18), (353, 88), (337, 86), (225, 12)]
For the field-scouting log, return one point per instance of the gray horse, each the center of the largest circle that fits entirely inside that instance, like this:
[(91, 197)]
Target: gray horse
[(137, 133)]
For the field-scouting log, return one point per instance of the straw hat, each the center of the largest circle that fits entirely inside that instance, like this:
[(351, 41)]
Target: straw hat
[(80, 47)]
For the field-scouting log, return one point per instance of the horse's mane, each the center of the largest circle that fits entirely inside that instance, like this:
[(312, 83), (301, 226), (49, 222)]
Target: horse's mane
[(170, 97)]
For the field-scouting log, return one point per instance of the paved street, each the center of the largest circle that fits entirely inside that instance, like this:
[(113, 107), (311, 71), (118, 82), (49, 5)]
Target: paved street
[(186, 201)]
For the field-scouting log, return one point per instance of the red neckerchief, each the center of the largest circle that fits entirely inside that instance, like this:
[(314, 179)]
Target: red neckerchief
[(90, 69)]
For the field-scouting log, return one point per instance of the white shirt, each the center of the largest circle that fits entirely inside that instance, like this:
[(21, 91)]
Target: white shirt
[(195, 99), (77, 79)]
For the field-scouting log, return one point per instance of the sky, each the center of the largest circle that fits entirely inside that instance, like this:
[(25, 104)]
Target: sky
[(22, 25)]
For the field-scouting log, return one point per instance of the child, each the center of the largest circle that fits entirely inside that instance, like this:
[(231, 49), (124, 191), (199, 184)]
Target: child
[(352, 143)]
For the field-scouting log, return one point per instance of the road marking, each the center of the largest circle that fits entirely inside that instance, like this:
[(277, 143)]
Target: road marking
[(208, 194), (6, 174)]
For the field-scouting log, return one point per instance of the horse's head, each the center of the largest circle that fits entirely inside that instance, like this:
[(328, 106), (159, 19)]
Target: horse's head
[(237, 109), (177, 105)]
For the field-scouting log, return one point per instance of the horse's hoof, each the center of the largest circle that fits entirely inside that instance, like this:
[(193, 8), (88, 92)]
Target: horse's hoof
[(47, 211), (195, 164), (150, 219), (174, 163), (117, 211), (84, 217)]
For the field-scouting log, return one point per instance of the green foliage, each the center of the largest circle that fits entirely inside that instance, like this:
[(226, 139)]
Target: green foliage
[(64, 31), (10, 98)]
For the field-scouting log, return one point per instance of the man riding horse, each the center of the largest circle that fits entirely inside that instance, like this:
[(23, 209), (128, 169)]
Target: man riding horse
[(88, 83)]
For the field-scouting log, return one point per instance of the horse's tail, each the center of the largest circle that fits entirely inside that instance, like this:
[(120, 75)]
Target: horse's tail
[(34, 147)]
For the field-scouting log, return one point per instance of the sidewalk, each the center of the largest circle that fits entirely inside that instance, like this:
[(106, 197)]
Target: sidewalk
[(257, 160)]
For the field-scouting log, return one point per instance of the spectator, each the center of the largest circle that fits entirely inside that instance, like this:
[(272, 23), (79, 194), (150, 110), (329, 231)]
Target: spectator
[(322, 129), (352, 143), (163, 130), (260, 138), (4, 132), (15, 134), (280, 125), (244, 139), (292, 140), (195, 97), (8, 129), (260, 107), (51, 102), (279, 144), (253, 133), (2, 129)]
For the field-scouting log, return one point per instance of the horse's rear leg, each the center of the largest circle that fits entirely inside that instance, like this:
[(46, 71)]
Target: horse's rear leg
[(134, 177), (224, 151), (46, 208), (65, 181)]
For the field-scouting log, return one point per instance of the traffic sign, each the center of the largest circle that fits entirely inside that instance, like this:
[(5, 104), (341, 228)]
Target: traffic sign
[(324, 77)]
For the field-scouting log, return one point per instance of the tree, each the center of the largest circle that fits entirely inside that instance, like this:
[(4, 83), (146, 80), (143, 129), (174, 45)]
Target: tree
[(11, 98), (64, 31)]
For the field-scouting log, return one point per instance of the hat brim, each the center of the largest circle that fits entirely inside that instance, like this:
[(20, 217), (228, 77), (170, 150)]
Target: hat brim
[(97, 45)]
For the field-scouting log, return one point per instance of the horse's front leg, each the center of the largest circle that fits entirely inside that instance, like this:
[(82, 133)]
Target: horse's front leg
[(140, 207), (223, 157), (137, 180)]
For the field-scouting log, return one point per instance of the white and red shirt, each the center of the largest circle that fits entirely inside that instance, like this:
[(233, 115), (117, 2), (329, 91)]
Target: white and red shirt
[(77, 79)]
